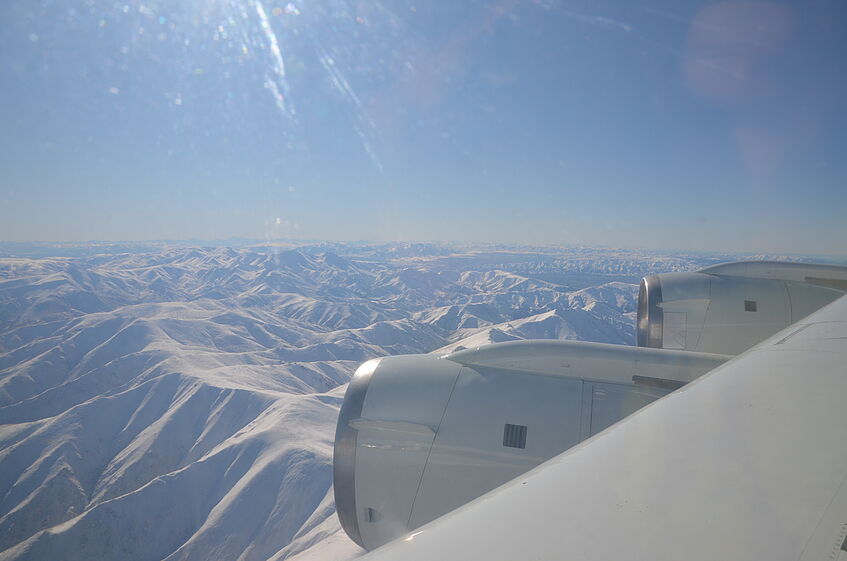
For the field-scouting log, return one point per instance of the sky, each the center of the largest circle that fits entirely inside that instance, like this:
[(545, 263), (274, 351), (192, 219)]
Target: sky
[(659, 124)]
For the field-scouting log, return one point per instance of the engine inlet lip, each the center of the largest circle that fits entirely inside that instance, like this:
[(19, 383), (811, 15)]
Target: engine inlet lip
[(650, 318), (344, 451)]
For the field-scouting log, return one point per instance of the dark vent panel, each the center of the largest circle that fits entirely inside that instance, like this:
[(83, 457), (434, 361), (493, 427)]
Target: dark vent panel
[(750, 306), (372, 515), (514, 436)]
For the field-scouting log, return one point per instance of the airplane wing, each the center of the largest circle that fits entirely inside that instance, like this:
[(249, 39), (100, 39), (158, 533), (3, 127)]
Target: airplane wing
[(747, 462)]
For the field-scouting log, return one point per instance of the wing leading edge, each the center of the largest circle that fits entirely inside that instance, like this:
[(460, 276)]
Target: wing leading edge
[(749, 462)]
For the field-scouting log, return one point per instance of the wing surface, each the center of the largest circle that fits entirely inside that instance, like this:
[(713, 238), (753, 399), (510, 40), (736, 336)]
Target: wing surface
[(748, 462)]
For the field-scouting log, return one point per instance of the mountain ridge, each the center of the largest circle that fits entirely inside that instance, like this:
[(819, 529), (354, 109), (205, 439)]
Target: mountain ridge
[(181, 404)]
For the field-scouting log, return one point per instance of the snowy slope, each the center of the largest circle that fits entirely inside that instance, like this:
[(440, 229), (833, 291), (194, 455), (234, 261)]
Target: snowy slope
[(181, 403)]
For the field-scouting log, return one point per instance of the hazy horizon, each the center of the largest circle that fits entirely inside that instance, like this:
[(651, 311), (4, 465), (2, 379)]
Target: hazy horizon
[(472, 246)]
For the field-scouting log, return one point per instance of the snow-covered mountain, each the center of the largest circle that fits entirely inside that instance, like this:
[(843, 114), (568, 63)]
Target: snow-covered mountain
[(179, 402)]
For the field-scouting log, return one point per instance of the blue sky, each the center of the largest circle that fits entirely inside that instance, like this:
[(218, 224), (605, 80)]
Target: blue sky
[(696, 125)]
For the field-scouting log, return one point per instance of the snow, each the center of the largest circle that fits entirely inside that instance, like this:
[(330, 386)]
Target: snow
[(168, 402)]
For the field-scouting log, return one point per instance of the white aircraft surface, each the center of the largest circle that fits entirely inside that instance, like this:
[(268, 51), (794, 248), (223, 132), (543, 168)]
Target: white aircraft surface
[(532, 450)]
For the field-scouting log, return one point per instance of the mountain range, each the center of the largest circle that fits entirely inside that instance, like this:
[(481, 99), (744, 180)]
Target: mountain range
[(172, 402)]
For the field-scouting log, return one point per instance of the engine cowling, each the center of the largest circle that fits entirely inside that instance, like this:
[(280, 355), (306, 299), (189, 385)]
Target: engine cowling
[(729, 308), (420, 435), (384, 434)]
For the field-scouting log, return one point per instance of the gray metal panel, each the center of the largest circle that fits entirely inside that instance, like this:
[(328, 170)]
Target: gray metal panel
[(612, 402), (468, 457)]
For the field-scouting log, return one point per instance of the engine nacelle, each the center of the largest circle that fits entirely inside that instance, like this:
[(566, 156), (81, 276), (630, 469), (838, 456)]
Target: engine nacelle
[(729, 308), (420, 435)]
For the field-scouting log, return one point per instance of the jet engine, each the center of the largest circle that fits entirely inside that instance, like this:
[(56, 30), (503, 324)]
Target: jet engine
[(421, 435), (729, 308)]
